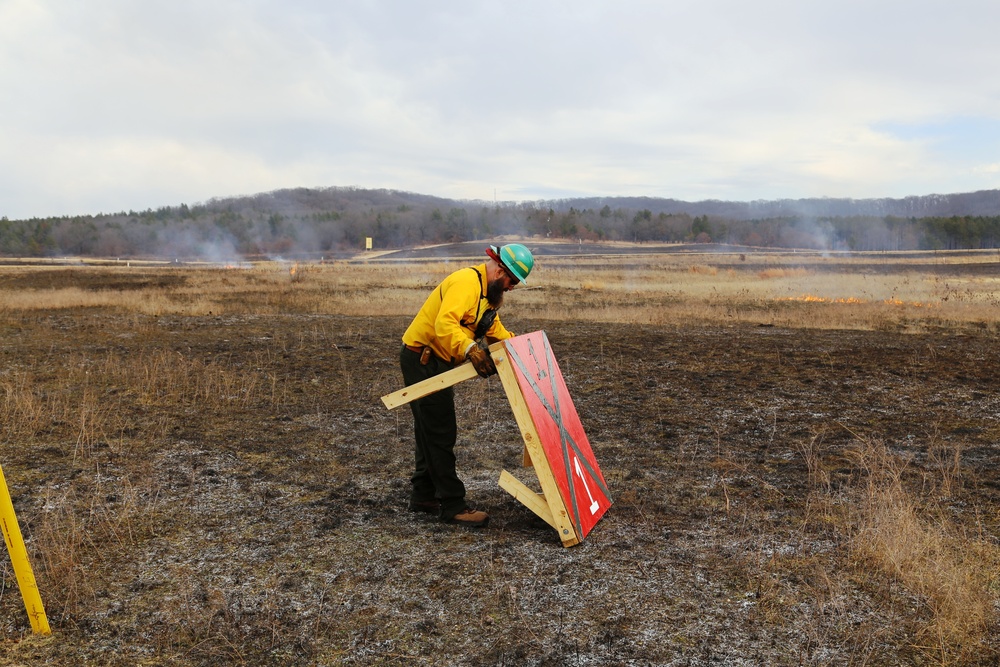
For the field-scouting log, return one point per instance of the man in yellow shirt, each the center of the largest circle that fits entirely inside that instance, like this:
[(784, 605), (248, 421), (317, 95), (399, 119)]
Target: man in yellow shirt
[(456, 324)]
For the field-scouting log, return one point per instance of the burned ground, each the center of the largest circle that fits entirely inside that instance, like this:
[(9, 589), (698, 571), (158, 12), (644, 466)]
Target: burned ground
[(251, 510)]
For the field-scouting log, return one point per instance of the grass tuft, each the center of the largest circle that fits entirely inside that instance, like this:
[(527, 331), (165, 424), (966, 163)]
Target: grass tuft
[(912, 540)]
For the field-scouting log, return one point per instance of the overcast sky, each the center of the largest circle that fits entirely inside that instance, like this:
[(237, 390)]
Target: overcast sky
[(110, 105)]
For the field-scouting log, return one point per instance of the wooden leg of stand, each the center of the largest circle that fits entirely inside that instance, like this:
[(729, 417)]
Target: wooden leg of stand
[(533, 501)]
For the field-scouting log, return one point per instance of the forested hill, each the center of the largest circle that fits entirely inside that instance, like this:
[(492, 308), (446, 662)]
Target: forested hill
[(327, 222), (982, 203)]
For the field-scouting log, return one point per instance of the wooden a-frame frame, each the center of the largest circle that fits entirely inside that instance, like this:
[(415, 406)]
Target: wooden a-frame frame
[(549, 505)]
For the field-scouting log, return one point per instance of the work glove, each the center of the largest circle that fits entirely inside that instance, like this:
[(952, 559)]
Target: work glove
[(481, 360)]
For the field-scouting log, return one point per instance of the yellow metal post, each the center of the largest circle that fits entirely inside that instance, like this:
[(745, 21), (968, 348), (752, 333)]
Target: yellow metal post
[(19, 558)]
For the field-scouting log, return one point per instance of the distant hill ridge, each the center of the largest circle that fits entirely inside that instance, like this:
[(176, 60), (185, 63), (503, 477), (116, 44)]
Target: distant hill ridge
[(983, 202), (331, 220), (299, 201)]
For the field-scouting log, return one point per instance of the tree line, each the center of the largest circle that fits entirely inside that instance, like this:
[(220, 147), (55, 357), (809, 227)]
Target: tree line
[(337, 221)]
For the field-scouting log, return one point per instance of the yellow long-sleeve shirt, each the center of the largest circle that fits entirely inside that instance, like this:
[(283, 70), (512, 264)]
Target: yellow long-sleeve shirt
[(447, 320)]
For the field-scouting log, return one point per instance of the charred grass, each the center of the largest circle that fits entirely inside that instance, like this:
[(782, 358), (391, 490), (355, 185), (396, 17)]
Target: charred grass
[(205, 475)]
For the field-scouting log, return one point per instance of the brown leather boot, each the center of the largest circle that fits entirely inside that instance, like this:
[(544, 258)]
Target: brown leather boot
[(470, 518)]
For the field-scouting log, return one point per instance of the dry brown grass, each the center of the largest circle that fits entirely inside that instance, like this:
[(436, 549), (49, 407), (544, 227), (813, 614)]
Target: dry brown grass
[(112, 410), (912, 538), (782, 273), (701, 269), (795, 289)]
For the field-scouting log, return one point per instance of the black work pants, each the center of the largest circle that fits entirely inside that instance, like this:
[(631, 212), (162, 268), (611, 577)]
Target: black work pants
[(435, 431)]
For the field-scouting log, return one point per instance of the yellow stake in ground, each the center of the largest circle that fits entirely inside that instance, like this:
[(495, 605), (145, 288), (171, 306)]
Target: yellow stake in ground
[(19, 557)]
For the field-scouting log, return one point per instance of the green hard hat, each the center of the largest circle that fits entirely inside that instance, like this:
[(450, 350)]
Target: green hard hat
[(517, 259)]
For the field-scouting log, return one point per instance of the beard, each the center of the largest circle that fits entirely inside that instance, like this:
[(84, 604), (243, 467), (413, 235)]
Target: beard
[(494, 293)]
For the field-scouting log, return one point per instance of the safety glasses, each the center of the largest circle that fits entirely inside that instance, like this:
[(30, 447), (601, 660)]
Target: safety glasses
[(510, 276)]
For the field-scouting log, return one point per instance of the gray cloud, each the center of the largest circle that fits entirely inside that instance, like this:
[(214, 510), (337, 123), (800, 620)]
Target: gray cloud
[(132, 105)]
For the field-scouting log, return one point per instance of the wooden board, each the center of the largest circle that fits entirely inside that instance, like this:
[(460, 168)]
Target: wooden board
[(433, 384), (429, 386)]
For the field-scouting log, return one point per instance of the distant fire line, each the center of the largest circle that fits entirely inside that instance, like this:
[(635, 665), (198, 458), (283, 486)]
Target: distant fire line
[(810, 298)]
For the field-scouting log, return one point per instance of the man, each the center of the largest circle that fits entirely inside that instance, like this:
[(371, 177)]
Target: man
[(456, 324)]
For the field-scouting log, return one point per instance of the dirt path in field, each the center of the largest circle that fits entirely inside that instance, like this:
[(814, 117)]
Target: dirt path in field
[(238, 496)]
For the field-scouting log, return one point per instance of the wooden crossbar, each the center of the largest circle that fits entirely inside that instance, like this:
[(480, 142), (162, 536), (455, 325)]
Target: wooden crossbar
[(427, 387)]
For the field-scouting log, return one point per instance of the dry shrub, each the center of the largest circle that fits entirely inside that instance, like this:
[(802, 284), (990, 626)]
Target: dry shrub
[(918, 545), (766, 274), (946, 459), (164, 377), (62, 539), (76, 411), (119, 514), (703, 270), (812, 453), (23, 411)]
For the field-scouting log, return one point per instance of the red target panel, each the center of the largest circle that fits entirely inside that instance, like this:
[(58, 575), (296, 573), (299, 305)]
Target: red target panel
[(567, 450)]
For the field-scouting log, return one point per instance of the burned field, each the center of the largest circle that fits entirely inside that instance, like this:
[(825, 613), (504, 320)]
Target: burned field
[(229, 489)]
